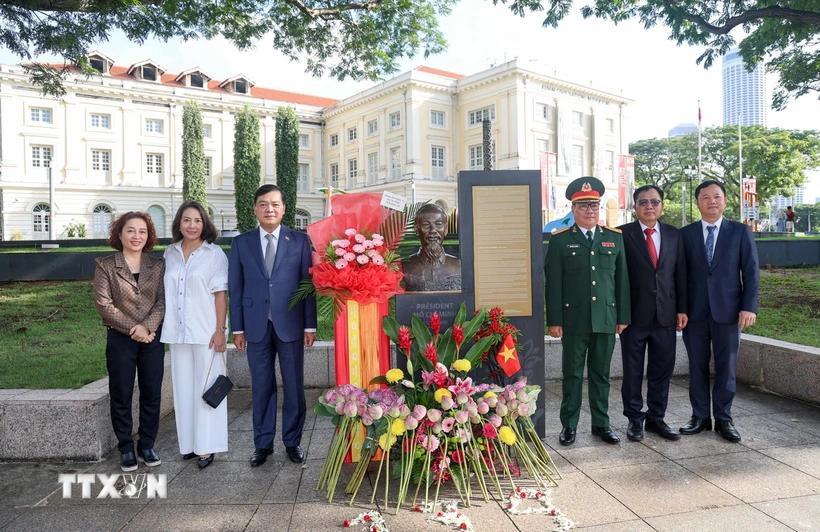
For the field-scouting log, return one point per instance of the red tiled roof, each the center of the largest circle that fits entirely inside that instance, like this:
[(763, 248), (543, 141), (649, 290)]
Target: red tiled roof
[(436, 71), (121, 72)]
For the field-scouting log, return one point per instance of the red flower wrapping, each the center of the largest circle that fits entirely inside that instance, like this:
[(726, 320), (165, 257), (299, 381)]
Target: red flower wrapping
[(364, 284)]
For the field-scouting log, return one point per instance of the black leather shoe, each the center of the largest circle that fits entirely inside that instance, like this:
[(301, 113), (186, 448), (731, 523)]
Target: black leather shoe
[(662, 429), (296, 454), (149, 457), (128, 461), (260, 456), (606, 434), (635, 431), (567, 436), (189, 456), (696, 426), (727, 430), (205, 462)]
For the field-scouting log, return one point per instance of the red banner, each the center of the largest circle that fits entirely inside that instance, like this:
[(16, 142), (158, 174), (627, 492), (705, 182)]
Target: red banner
[(549, 167), (626, 176)]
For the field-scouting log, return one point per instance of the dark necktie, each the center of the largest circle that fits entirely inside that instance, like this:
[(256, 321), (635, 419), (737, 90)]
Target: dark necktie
[(710, 243), (650, 244), (589, 237), (270, 253)]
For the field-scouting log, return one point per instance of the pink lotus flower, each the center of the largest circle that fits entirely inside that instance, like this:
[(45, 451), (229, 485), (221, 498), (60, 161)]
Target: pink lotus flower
[(419, 412), (434, 415), (492, 401), (350, 231), (501, 409), (494, 420), (349, 257), (523, 409), (448, 424), (483, 408), (341, 263), (462, 417), (351, 410), (411, 423), (362, 259), (447, 402), (375, 412), (358, 248)]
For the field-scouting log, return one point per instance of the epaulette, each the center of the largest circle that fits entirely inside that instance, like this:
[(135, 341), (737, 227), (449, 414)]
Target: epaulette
[(562, 230), (614, 230)]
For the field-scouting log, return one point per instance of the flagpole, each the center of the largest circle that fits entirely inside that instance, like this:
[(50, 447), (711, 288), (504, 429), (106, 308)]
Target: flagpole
[(740, 164), (700, 140)]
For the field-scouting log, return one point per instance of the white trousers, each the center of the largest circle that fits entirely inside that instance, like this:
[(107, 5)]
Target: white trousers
[(200, 428)]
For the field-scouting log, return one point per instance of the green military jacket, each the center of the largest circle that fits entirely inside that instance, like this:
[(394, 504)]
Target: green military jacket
[(587, 286)]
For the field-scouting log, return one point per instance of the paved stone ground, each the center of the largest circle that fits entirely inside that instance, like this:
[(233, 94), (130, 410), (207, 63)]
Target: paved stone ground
[(769, 482)]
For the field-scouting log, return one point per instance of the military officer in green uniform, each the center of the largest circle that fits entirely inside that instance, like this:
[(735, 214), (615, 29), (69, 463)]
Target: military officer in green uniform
[(587, 294)]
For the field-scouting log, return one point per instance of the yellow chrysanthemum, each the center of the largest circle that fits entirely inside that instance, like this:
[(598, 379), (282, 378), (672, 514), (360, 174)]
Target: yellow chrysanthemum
[(384, 443), (462, 364), (506, 435), (394, 375), (398, 427), (441, 392), (490, 394)]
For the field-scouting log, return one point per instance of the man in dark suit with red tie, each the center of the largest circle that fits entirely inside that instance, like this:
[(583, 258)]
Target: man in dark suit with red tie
[(657, 282), (723, 276)]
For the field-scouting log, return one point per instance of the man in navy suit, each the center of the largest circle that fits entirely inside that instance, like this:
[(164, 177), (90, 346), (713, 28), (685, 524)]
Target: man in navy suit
[(656, 263), (266, 266), (723, 278)]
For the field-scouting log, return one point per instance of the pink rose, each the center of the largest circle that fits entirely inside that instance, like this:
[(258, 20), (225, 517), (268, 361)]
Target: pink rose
[(341, 263), (362, 259)]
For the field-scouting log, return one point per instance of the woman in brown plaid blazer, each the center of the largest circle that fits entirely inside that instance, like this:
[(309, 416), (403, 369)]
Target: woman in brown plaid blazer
[(130, 297)]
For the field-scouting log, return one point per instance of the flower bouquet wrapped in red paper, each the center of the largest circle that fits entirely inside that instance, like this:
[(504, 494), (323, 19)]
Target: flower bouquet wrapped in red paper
[(356, 264)]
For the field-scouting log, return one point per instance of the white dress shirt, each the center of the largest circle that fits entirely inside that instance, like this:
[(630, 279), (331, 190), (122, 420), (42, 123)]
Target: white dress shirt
[(706, 232), (584, 231), (656, 236), (190, 306)]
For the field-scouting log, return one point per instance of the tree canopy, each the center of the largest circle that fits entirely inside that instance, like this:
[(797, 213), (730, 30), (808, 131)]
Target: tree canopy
[(784, 36), (777, 158)]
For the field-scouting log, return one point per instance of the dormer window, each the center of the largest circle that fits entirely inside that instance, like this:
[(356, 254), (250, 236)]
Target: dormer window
[(147, 71), (100, 62), (197, 81), (193, 77), (238, 84)]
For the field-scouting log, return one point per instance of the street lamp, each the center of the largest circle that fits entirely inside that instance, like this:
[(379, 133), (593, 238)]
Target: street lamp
[(690, 170), (222, 214)]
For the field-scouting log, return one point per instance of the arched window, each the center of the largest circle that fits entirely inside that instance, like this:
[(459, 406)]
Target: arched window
[(101, 220), (41, 221), (302, 220), (158, 217)]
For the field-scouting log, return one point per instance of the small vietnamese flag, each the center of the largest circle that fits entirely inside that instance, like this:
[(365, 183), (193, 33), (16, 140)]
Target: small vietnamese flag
[(507, 357)]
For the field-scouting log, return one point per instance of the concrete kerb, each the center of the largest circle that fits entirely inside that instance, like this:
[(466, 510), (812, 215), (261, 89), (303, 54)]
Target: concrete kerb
[(76, 424)]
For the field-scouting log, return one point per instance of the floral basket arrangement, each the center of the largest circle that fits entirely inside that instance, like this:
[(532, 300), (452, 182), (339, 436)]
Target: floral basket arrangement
[(441, 428)]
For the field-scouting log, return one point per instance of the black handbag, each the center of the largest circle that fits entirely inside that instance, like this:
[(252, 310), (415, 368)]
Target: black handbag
[(220, 388)]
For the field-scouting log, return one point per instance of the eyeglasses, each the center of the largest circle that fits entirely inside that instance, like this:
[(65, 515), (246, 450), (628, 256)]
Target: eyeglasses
[(645, 202), (588, 206)]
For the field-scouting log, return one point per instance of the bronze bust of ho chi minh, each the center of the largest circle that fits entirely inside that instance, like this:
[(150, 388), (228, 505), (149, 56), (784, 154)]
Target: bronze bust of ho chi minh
[(431, 269)]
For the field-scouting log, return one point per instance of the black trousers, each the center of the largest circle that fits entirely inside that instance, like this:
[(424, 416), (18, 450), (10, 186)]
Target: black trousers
[(125, 359), (702, 339), (661, 342)]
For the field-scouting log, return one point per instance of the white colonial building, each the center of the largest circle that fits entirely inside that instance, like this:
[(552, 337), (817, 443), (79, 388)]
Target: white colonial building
[(113, 143)]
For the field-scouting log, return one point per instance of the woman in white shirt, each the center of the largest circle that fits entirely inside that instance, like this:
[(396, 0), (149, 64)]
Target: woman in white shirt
[(196, 281)]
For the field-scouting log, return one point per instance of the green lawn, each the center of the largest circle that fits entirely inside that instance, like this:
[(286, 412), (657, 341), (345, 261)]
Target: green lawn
[(789, 305), (51, 335)]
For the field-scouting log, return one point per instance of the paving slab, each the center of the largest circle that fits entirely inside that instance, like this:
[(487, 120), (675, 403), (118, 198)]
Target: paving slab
[(592, 457), (238, 484), (192, 517), (740, 517), (637, 525), (271, 517), (799, 513), (74, 518), (753, 477), (707, 443), (655, 489), (805, 458), (763, 431)]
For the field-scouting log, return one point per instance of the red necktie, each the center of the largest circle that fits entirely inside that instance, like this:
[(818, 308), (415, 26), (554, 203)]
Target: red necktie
[(650, 244)]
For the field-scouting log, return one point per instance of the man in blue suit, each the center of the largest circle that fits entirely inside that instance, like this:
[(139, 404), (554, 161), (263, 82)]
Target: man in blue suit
[(723, 277), (266, 266)]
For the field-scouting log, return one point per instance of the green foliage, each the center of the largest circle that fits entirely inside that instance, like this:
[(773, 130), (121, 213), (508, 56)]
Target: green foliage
[(777, 158), (194, 182), (804, 213), (76, 229), (782, 36), (365, 40), (246, 166), (287, 161)]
